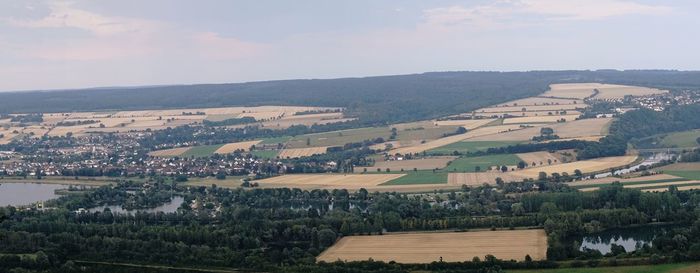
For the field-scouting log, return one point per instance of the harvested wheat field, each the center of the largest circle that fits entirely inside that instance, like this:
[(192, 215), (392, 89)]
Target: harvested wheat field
[(681, 188), (540, 119), (483, 131), (170, 152), (605, 91), (585, 166), (570, 129), (608, 180), (327, 181), (538, 108), (478, 179), (232, 147), (586, 138), (689, 166), (466, 123), (527, 114), (431, 247), (419, 164), (539, 158), (300, 152), (542, 101)]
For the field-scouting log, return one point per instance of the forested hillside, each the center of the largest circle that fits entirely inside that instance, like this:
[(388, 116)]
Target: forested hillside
[(375, 100)]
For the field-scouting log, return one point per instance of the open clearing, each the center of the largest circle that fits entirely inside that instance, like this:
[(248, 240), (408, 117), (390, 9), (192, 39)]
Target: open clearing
[(407, 165), (471, 146), (570, 129), (660, 268), (541, 101), (686, 139), (527, 114), (301, 152), (540, 119), (585, 166), (232, 147), (170, 152), (490, 130), (469, 164), (686, 166), (539, 158), (127, 121), (327, 181), (537, 108), (607, 180), (606, 91), (478, 179), (430, 247), (466, 123)]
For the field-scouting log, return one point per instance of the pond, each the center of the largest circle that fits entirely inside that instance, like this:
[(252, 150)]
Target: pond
[(24, 194), (629, 238), (168, 207)]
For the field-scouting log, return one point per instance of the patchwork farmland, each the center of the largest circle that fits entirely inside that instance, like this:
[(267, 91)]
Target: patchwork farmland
[(433, 247)]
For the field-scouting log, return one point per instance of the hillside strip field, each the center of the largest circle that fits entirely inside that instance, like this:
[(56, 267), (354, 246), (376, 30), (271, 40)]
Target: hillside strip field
[(432, 247), (327, 181)]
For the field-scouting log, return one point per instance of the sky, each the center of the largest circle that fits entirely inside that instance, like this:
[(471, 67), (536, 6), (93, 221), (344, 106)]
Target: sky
[(93, 43)]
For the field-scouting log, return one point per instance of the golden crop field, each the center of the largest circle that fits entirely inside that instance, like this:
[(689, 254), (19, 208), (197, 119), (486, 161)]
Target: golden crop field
[(539, 158), (483, 131), (681, 188), (541, 101), (300, 152), (527, 113), (327, 181), (540, 119), (407, 165), (232, 147), (569, 129), (538, 108), (478, 179), (684, 166), (606, 91), (585, 166), (170, 152), (431, 247), (608, 180), (467, 123)]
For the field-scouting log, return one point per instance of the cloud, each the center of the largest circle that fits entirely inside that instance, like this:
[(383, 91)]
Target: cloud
[(118, 38), (64, 15), (521, 12)]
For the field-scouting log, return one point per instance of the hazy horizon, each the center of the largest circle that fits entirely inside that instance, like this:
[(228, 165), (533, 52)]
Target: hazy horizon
[(50, 45)]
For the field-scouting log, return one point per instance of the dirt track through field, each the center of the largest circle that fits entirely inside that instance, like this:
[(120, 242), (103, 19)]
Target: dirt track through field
[(431, 247)]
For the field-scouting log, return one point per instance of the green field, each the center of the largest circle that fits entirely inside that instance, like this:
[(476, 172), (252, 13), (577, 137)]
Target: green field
[(692, 175), (471, 146), (266, 154), (468, 164), (425, 132), (339, 138), (686, 139), (202, 151), (662, 268), (275, 140), (420, 177), (633, 183)]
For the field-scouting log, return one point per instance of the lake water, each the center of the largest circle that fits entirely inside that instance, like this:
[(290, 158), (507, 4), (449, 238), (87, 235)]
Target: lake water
[(629, 238), (24, 194), (168, 207)]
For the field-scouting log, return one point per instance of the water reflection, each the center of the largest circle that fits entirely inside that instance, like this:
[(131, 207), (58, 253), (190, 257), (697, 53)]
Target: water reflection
[(629, 238), (168, 207), (24, 194)]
